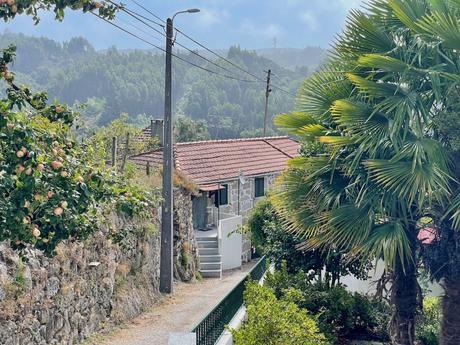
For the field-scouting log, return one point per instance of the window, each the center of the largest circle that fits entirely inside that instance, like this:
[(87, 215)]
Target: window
[(222, 196), (259, 186)]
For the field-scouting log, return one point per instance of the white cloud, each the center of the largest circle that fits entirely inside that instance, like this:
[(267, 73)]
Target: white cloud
[(210, 17), (310, 19), (263, 32)]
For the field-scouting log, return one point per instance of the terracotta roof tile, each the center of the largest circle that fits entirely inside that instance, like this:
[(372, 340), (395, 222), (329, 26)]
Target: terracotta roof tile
[(207, 162)]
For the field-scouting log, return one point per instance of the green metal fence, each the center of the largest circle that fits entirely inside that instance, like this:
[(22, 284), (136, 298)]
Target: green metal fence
[(213, 325)]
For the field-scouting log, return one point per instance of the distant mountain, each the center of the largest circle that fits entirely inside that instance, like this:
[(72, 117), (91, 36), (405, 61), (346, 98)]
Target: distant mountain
[(292, 58), (112, 82)]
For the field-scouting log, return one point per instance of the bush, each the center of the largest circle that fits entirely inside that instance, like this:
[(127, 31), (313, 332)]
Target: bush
[(49, 191), (273, 321), (340, 314), (271, 239), (429, 325)]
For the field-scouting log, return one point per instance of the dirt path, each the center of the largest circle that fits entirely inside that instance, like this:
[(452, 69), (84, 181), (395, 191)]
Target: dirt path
[(176, 313)]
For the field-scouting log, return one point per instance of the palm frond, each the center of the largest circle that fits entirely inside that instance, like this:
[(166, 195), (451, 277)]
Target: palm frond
[(361, 36), (413, 184), (389, 242), (364, 125), (446, 26), (409, 11), (382, 63), (321, 90), (424, 150), (373, 89), (453, 212), (344, 227), (336, 140), (293, 122)]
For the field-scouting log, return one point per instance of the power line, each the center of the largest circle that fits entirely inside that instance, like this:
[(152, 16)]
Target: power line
[(163, 50), (136, 16), (231, 62), (208, 49), (138, 28), (148, 11)]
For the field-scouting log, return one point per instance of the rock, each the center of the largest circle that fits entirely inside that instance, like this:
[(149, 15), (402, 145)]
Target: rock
[(52, 287), (2, 294), (67, 297)]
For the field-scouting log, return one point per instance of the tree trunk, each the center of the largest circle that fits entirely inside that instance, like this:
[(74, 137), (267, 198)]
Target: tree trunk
[(404, 299), (450, 327)]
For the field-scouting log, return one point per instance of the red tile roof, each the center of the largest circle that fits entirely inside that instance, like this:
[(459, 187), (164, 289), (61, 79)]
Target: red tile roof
[(207, 162)]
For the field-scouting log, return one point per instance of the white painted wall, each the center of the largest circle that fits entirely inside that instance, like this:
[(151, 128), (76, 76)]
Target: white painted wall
[(368, 286), (230, 242)]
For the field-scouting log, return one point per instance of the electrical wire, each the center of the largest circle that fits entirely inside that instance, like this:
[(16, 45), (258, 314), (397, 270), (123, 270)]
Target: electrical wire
[(136, 16), (163, 50), (208, 49)]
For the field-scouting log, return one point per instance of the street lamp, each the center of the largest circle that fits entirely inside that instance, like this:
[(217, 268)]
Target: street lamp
[(166, 252)]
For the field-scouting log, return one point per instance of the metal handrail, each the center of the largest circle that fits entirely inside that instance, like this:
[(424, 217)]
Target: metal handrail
[(210, 328)]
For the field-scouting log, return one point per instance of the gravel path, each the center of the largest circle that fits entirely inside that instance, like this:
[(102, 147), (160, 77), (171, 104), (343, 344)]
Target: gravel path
[(176, 313)]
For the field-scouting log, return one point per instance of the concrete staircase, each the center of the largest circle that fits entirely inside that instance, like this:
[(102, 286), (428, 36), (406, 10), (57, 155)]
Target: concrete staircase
[(210, 259)]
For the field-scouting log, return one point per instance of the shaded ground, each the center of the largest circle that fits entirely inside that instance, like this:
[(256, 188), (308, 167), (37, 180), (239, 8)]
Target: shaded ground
[(177, 313)]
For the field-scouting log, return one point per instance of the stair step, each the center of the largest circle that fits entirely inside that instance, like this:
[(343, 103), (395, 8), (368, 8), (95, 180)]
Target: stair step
[(208, 251), (210, 266), (210, 258), (208, 245), (206, 239), (211, 273)]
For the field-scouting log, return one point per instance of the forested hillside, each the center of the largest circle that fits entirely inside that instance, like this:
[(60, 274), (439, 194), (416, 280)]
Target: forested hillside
[(113, 82)]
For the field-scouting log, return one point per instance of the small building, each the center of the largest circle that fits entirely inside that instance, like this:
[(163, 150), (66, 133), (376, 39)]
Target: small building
[(231, 177)]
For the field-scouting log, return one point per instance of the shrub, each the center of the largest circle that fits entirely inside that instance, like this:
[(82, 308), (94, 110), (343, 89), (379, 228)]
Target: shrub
[(271, 238), (273, 321), (429, 325), (340, 314), (49, 191)]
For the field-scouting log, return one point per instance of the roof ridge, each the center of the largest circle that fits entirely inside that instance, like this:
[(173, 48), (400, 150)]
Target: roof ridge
[(277, 148), (231, 140)]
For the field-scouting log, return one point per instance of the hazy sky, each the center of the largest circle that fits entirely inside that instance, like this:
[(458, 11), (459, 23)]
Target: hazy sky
[(221, 23)]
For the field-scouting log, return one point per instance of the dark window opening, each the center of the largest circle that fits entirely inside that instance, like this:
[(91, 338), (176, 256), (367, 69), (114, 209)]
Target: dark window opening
[(222, 196), (259, 187)]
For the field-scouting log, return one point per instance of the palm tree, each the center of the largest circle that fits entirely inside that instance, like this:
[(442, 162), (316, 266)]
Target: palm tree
[(378, 164)]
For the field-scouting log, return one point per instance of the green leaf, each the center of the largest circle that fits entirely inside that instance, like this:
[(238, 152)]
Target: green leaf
[(414, 184), (390, 242)]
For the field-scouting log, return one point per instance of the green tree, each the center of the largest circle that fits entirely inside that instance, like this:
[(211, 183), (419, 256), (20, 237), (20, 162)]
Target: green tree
[(276, 322), (186, 129), (12, 8), (381, 166), (49, 188), (271, 239)]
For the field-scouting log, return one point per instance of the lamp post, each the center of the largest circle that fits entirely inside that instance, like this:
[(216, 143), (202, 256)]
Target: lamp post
[(166, 252)]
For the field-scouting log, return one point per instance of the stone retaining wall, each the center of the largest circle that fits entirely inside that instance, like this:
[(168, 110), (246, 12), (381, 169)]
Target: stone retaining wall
[(85, 286), (185, 247)]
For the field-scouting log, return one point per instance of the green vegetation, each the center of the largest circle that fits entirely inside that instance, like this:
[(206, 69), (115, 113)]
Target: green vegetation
[(273, 321), (429, 326), (50, 188), (10, 9), (341, 315), (113, 82), (270, 237), (384, 111)]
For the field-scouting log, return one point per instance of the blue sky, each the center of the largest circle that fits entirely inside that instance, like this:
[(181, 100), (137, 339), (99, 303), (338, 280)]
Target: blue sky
[(221, 23)]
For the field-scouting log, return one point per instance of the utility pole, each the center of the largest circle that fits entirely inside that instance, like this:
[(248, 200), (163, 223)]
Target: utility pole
[(267, 95), (166, 250)]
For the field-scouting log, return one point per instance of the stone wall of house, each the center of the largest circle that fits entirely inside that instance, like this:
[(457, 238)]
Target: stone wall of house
[(84, 287), (185, 247), (247, 201)]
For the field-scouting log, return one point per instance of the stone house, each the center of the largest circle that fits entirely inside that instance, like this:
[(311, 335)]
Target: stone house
[(231, 176)]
